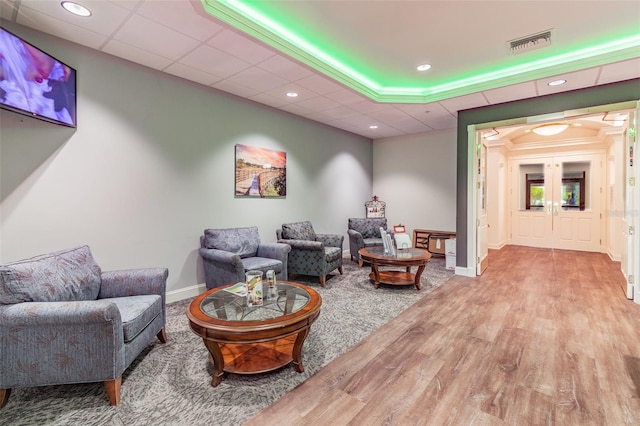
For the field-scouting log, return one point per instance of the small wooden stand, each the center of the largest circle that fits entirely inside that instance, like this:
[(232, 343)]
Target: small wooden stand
[(431, 240)]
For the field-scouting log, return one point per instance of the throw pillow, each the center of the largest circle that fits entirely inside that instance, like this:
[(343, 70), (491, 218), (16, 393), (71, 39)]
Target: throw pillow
[(66, 275), (242, 241), (298, 231)]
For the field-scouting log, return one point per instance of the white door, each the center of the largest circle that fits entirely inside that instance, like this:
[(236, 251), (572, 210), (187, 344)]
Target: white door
[(577, 202), (531, 202), (631, 220), (557, 202), (482, 225)]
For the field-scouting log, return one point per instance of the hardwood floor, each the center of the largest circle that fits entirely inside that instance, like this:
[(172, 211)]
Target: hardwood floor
[(544, 337)]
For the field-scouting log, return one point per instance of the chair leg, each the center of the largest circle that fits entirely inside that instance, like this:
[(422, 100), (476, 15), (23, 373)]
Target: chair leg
[(113, 390), (360, 263), (322, 280), (340, 269), (4, 396), (162, 335)]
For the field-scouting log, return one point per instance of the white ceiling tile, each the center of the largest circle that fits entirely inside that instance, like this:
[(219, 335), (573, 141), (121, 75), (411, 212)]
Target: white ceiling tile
[(165, 41), (105, 19), (296, 109), (442, 122), (321, 117), (258, 79), (285, 68), (133, 54), (341, 112), (511, 93), (126, 4), (319, 84), (179, 16), (317, 103), (214, 61), (192, 74), (268, 99), (66, 31), (240, 46), (234, 88), (368, 107), (460, 103), (619, 71), (346, 96)]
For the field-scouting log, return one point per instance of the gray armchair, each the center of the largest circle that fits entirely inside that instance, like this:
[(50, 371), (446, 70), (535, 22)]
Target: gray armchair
[(228, 253), (364, 232), (63, 321), (311, 254)]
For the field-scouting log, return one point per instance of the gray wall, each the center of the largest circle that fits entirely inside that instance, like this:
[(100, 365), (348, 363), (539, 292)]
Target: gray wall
[(151, 165), (416, 176)]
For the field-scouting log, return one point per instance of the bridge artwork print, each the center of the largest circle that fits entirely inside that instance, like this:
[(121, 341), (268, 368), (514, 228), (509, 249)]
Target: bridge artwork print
[(260, 172)]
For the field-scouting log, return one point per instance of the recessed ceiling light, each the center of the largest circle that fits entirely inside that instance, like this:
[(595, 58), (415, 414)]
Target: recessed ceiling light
[(292, 94), (557, 82), (373, 126), (423, 67), (76, 9)]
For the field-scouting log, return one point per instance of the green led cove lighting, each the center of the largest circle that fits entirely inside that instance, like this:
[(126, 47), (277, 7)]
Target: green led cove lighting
[(246, 16)]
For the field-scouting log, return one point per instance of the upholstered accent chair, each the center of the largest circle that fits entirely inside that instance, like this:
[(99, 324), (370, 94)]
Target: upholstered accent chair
[(364, 232), (228, 253), (64, 321), (311, 254)]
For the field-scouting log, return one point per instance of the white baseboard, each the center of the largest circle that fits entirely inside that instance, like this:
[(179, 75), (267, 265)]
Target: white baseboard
[(465, 271), (185, 293), (616, 257)]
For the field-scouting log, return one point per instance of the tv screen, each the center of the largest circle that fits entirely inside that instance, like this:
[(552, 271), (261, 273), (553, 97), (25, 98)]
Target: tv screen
[(34, 83)]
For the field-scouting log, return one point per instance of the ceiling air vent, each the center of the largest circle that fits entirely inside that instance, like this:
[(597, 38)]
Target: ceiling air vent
[(529, 43)]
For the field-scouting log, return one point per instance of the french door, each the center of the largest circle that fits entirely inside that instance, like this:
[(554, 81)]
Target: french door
[(556, 202)]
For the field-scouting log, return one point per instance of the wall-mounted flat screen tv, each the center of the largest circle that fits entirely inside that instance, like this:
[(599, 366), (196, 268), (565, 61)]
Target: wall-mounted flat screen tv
[(34, 83)]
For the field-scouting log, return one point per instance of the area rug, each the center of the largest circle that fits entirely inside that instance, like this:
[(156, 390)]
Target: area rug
[(169, 384)]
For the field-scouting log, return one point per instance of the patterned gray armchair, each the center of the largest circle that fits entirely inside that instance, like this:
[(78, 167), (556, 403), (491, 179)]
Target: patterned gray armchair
[(64, 321), (364, 233), (311, 254), (228, 253)]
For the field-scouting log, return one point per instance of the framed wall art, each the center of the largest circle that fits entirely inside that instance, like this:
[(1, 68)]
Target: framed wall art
[(260, 172)]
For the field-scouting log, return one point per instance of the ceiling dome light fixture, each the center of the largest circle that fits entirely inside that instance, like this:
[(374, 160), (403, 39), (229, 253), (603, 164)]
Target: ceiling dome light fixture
[(550, 129), (556, 82), (76, 9), (423, 67)]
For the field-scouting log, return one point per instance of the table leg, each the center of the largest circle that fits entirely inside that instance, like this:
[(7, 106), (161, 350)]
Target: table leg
[(218, 361), (418, 274), (376, 274), (297, 350)]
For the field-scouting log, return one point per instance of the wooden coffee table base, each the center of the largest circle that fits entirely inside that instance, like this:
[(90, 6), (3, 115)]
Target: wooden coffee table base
[(395, 277), (253, 358)]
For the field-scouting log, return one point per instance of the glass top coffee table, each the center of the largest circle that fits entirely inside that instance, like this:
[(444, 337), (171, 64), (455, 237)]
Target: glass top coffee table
[(405, 258), (247, 340)]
